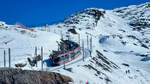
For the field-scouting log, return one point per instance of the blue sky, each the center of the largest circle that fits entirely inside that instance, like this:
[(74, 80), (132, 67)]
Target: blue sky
[(38, 12)]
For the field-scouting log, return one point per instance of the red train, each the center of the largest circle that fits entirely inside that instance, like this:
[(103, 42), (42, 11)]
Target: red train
[(68, 50)]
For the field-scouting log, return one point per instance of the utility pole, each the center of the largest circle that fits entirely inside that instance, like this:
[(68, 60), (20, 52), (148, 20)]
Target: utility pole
[(61, 35), (46, 25), (4, 58), (58, 45), (64, 56), (87, 41), (91, 46), (42, 58), (9, 57), (49, 29), (91, 43), (83, 48), (68, 36), (79, 39), (64, 63), (35, 53)]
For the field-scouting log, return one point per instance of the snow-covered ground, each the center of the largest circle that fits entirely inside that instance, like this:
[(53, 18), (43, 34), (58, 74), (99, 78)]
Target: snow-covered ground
[(116, 47), (22, 43)]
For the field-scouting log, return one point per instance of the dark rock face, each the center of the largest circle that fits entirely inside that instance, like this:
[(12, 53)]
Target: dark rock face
[(72, 31), (18, 76)]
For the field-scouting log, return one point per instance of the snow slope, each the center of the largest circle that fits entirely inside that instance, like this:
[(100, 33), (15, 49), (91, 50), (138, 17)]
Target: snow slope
[(22, 43), (116, 45), (116, 40)]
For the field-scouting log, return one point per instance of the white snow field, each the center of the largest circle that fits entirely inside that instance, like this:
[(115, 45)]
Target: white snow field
[(116, 46), (22, 43)]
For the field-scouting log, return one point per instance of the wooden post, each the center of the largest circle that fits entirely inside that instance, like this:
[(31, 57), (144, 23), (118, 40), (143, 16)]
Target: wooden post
[(4, 58), (42, 58), (9, 52)]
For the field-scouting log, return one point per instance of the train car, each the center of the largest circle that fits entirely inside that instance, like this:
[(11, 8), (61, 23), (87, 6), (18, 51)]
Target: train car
[(70, 55), (68, 51)]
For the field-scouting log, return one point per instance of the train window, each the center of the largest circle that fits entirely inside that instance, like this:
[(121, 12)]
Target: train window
[(78, 51), (67, 56), (72, 54), (57, 59), (63, 57), (60, 58)]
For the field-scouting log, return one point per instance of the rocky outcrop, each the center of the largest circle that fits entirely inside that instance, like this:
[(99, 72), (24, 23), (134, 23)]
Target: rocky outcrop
[(88, 18), (137, 15), (18, 76)]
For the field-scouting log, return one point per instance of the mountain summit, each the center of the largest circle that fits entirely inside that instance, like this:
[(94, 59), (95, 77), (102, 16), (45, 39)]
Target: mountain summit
[(86, 19)]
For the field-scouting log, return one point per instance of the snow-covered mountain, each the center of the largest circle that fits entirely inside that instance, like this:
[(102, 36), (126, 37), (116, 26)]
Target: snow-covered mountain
[(86, 19), (120, 42)]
